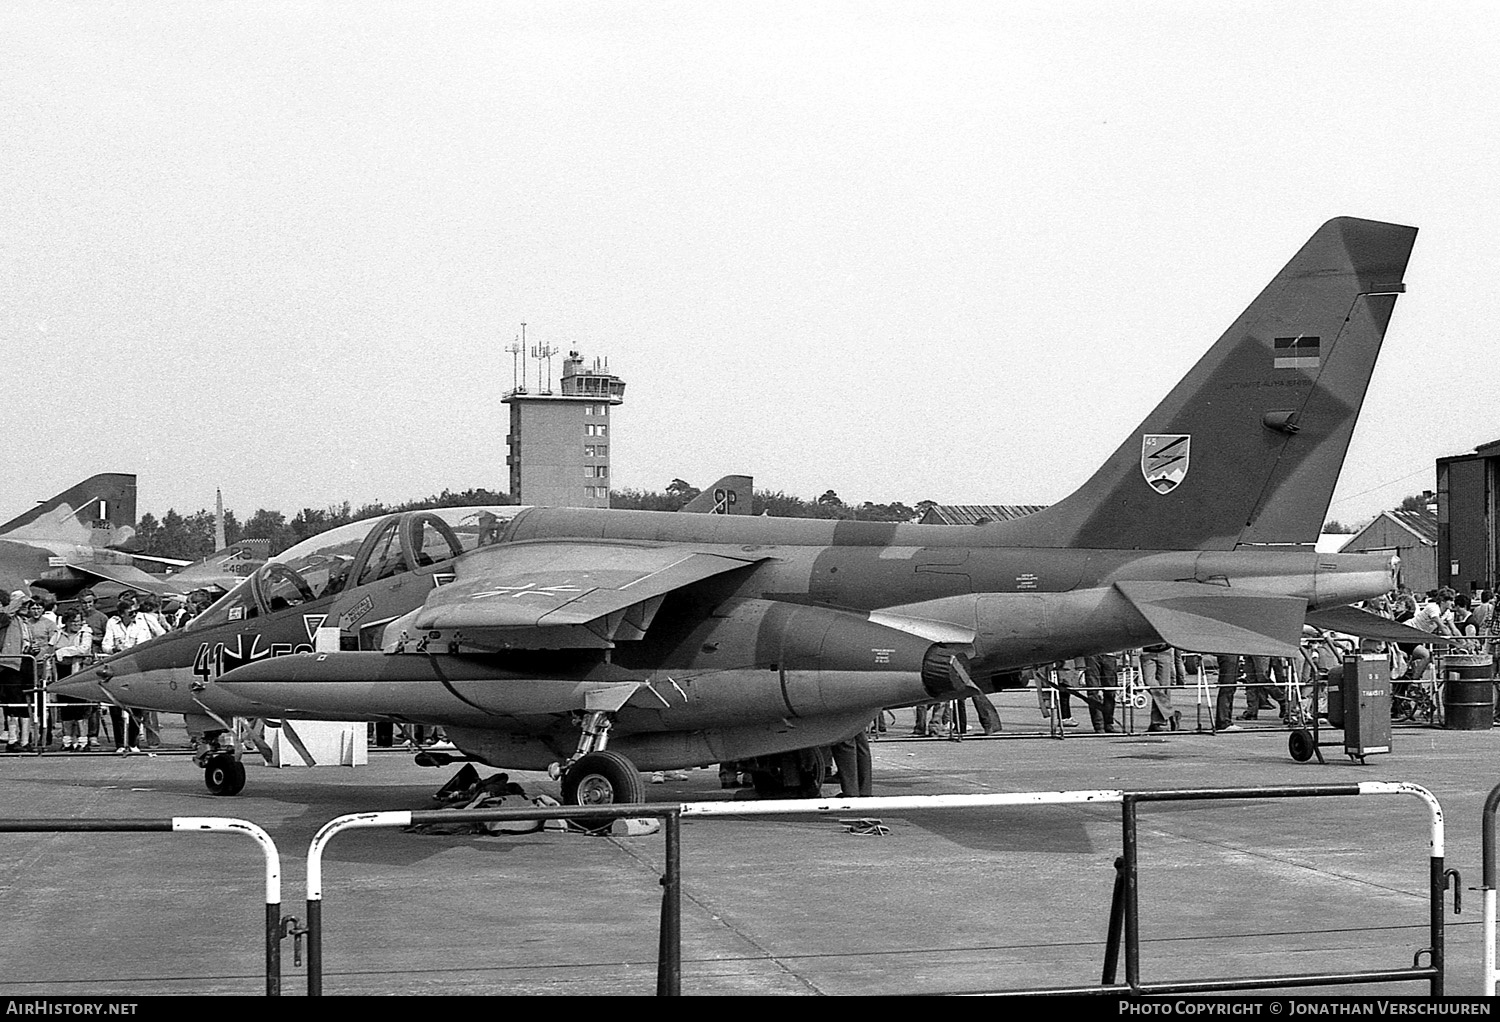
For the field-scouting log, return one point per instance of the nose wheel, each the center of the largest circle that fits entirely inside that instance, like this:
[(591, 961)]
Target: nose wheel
[(224, 775)]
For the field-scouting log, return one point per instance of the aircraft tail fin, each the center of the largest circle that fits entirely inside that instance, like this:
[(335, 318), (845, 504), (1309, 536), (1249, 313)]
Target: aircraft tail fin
[(100, 511), (729, 496), (224, 568), (1246, 449)]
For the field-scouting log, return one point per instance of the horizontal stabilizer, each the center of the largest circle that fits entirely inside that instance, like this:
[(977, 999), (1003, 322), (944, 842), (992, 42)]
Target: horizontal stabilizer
[(1353, 621), (1212, 619)]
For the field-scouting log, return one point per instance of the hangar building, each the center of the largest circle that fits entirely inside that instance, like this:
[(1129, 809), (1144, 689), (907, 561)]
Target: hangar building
[(976, 514), (1410, 535), (1468, 555), (559, 442)]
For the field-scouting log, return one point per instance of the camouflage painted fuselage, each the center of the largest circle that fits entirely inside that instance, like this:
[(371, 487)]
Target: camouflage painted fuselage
[(706, 638)]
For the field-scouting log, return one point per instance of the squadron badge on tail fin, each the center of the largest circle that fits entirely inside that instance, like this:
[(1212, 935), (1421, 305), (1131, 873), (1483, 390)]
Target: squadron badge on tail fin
[(1164, 460)]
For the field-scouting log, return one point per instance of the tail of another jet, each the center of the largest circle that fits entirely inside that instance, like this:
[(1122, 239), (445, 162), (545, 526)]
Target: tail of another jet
[(1246, 449), (100, 511), (728, 496), (223, 569)]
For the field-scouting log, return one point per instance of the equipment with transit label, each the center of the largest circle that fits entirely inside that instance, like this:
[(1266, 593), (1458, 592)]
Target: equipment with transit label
[(1359, 702)]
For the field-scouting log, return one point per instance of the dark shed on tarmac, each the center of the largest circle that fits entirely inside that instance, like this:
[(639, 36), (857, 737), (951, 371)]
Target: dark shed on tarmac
[(1466, 498)]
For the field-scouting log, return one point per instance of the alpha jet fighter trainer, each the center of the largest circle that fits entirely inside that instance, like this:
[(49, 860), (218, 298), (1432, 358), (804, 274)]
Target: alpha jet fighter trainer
[(600, 643)]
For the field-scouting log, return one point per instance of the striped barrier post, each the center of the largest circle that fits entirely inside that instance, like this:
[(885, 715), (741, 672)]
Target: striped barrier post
[(1488, 839)]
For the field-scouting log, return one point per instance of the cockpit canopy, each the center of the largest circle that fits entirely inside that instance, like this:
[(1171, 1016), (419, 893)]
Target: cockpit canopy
[(357, 554)]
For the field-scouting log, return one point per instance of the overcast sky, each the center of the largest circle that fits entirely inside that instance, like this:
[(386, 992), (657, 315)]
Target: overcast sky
[(903, 250)]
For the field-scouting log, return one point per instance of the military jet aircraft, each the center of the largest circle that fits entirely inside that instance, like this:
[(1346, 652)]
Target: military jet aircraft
[(221, 570), (69, 541), (78, 539), (599, 643)]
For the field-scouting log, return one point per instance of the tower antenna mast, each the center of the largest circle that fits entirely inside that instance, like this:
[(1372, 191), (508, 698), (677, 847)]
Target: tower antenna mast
[(516, 351)]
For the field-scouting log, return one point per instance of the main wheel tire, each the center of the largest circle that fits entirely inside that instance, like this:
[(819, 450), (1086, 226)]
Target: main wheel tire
[(603, 778), (1301, 746), (224, 775), (797, 775), (814, 765)]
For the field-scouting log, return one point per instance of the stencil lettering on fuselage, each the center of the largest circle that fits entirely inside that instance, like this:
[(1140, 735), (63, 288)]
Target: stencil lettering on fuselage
[(354, 613)]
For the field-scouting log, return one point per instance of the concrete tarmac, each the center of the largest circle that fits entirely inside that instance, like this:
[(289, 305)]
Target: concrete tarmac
[(964, 901)]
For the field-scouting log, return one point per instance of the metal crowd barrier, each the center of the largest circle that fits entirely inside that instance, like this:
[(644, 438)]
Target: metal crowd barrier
[(1438, 881), (275, 928), (1125, 911), (669, 936), (35, 694), (1124, 924), (42, 710), (1132, 696)]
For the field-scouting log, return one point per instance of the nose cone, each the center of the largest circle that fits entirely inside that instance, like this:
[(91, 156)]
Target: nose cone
[(90, 683), (137, 678)]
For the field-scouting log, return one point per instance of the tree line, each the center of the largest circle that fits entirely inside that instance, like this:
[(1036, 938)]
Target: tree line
[(191, 537), (776, 503)]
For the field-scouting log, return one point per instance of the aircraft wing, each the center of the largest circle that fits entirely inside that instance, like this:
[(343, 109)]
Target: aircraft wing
[(1353, 621), (124, 575), (609, 590), (1213, 619)]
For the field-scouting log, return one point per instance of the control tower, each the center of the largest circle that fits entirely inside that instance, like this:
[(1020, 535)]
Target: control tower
[(559, 441)]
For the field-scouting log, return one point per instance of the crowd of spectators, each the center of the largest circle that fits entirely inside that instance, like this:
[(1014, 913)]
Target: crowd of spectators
[(1272, 685), (59, 644)]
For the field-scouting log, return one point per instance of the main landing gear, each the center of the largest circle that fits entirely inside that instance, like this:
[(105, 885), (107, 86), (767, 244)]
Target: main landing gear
[(596, 777), (601, 779), (797, 774)]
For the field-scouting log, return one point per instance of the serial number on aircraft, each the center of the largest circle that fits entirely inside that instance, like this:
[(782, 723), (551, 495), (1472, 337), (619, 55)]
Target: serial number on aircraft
[(214, 659)]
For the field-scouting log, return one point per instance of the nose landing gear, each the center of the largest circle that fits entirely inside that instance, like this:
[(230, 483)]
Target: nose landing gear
[(224, 775), (218, 755)]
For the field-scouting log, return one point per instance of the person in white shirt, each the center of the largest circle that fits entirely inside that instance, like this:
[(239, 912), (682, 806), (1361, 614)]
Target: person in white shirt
[(1435, 617), (72, 648), (126, 630)]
